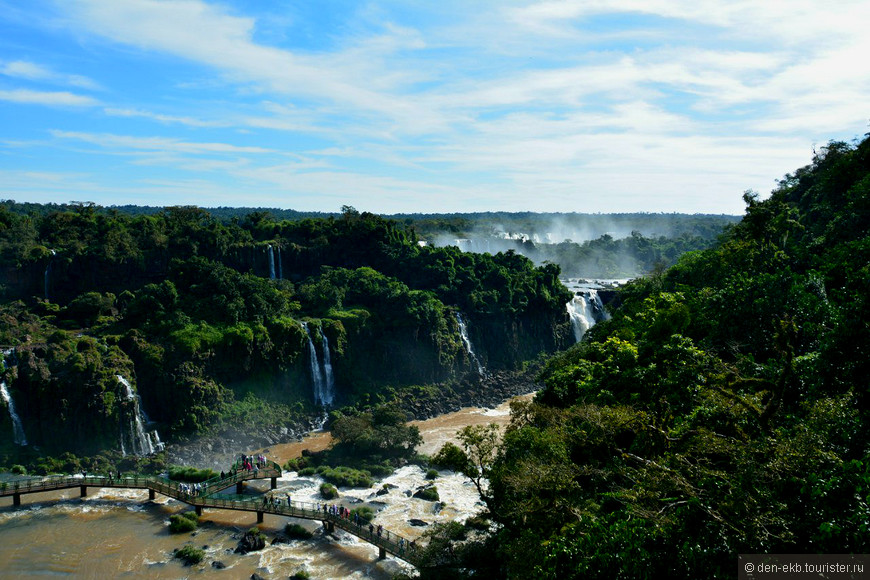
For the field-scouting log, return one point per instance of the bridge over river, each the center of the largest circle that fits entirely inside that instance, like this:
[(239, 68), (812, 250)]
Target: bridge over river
[(208, 497)]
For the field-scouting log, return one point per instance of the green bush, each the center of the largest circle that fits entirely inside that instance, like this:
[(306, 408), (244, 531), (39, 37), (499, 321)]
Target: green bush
[(364, 512), (18, 470), (308, 471), (181, 523), (190, 554), (190, 474), (428, 494), (345, 476), (297, 532), (478, 522), (431, 474), (297, 464), (328, 491), (300, 575)]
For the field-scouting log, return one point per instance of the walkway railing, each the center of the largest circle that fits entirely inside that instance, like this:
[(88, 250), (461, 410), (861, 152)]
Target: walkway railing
[(206, 497)]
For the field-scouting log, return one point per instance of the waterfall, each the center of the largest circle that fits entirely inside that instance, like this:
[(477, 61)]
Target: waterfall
[(329, 382), (316, 373), (585, 310), (271, 263), (133, 435), (321, 374), (17, 427), (463, 334), (280, 265)]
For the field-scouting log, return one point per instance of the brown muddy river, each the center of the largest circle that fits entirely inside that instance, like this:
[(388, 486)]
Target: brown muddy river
[(121, 534)]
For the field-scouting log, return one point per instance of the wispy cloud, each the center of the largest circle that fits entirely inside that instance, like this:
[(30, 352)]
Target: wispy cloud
[(168, 119), (53, 99), (35, 72), (123, 143)]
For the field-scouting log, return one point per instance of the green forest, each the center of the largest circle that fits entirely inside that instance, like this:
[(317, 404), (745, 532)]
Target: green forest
[(722, 410), (214, 322)]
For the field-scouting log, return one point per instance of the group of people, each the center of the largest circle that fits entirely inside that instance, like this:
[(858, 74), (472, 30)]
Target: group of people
[(252, 462), (191, 489), (274, 501)]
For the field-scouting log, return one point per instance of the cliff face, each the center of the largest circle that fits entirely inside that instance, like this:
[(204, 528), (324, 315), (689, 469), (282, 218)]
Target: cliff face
[(215, 323)]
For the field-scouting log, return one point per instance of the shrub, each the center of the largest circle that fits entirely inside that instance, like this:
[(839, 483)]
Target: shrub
[(428, 493), (328, 491), (478, 522), (300, 575), (181, 523), (297, 532), (431, 474), (346, 476), (190, 474), (364, 512), (190, 554), (297, 464), (308, 471), (18, 470)]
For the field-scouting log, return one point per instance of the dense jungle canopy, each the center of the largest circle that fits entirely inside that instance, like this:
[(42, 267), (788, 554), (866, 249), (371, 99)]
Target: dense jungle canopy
[(723, 410)]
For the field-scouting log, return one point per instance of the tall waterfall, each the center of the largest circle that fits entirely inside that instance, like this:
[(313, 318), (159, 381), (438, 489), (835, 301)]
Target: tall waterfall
[(17, 427), (585, 310), (329, 386), (321, 375), (134, 439), (271, 262), (463, 334)]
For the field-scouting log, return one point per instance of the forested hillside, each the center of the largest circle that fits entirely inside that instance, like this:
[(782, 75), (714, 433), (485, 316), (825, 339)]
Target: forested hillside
[(242, 322), (724, 409)]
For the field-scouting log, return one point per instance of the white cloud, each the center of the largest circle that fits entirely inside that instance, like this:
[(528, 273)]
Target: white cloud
[(54, 99), (160, 144), (35, 72), (204, 33), (168, 119)]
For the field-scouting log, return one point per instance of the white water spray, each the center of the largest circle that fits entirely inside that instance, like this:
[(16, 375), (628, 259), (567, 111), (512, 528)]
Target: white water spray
[(463, 334), (134, 438), (585, 310), (271, 263)]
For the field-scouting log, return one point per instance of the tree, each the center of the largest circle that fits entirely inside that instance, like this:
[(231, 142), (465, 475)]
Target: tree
[(474, 459)]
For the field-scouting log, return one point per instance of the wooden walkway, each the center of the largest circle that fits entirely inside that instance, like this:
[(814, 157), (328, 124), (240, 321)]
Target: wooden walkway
[(387, 542)]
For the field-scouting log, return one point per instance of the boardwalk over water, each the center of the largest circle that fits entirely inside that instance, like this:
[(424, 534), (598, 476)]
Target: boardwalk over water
[(387, 542)]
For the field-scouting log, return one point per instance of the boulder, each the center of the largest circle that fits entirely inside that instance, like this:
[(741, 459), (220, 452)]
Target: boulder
[(251, 542)]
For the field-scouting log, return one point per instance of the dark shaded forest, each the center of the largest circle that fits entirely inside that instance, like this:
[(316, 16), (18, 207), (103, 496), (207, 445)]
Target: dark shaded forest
[(205, 317)]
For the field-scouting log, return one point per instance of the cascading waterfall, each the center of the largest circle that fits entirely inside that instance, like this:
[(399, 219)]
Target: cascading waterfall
[(329, 379), (463, 334), (271, 263), (585, 310), (134, 438), (316, 373), (17, 427)]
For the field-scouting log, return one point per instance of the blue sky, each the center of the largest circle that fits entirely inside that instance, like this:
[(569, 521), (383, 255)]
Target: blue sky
[(420, 106)]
